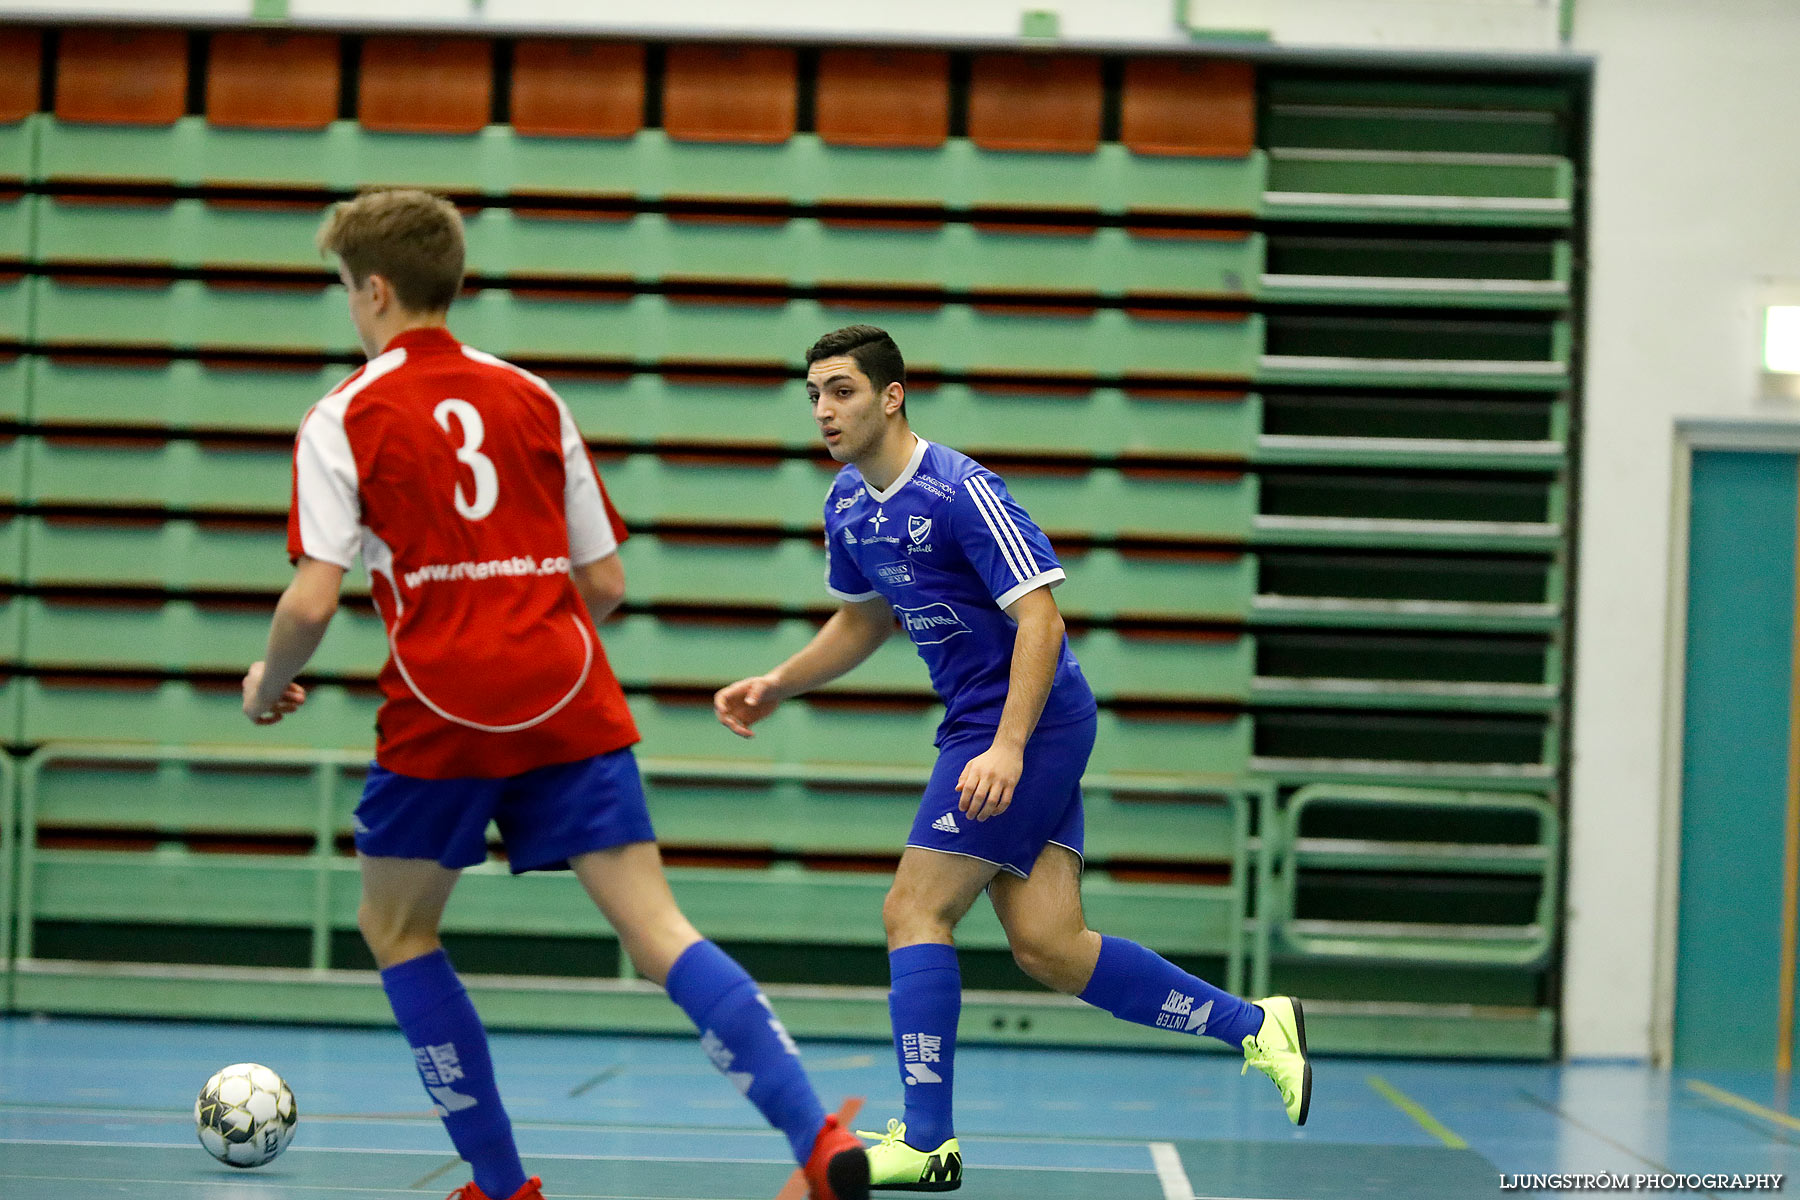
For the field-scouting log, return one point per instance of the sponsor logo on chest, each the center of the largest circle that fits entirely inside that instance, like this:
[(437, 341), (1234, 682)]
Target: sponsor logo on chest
[(873, 533), (930, 624)]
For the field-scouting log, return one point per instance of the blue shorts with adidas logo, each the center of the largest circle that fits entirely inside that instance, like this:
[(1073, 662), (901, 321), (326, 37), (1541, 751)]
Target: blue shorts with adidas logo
[(1045, 809)]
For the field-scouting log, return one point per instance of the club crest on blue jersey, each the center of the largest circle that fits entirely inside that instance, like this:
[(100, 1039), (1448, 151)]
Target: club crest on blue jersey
[(918, 529)]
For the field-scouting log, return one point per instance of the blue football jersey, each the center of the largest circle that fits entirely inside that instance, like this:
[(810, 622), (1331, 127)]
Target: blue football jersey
[(949, 549)]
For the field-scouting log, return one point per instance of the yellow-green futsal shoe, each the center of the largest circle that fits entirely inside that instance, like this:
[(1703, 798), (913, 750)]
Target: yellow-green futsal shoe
[(896, 1167), (1278, 1050)]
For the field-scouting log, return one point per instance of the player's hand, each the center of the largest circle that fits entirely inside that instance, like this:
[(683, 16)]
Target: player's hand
[(742, 704), (268, 712), (987, 781)]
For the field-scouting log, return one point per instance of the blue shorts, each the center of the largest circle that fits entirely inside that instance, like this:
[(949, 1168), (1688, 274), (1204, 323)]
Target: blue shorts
[(1045, 809), (546, 816)]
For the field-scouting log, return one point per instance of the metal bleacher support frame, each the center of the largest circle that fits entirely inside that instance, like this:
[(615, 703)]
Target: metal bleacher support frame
[(1451, 1030), (621, 1004), (9, 812), (1527, 945)]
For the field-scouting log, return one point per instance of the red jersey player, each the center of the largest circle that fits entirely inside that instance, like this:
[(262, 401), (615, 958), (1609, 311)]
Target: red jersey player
[(492, 552)]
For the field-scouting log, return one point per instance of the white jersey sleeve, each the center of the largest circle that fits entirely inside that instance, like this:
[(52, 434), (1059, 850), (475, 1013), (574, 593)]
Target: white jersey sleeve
[(327, 511), (590, 530)]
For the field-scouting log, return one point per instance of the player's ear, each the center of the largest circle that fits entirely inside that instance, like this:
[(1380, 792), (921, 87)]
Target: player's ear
[(893, 398), (381, 292)]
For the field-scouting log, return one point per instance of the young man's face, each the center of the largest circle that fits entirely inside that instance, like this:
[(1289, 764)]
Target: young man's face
[(851, 415), (364, 305)]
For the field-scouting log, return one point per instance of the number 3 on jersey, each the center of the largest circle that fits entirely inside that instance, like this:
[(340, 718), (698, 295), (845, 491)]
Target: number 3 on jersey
[(487, 483)]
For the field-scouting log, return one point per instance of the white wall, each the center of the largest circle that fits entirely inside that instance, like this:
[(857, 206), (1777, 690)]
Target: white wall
[(1696, 179), (1482, 24)]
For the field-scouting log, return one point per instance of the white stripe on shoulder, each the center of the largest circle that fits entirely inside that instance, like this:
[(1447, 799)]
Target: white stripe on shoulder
[(1007, 523), (338, 399), (1006, 550), (482, 356), (1006, 532)]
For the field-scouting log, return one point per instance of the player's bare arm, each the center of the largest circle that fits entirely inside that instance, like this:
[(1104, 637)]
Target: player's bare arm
[(853, 633), (987, 781), (301, 617), (602, 586)]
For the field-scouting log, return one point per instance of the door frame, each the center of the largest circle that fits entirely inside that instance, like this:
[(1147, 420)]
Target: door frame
[(1753, 434)]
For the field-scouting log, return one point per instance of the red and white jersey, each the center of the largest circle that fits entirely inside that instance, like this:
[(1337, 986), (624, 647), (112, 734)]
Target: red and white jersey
[(465, 486)]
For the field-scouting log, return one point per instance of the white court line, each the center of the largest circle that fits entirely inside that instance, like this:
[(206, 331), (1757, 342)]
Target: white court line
[(271, 1187), (382, 1150), (1170, 1173), (184, 1116), (1174, 1177), (656, 1158)]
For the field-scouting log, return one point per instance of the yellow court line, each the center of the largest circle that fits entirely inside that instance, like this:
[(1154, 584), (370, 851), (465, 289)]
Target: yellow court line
[(1729, 1100), (1790, 855), (1416, 1111)]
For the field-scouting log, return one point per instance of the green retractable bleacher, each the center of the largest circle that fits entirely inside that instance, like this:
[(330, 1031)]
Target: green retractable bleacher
[(1287, 366)]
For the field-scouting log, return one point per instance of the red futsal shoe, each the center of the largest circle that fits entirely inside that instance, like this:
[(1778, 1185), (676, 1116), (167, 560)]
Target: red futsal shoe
[(838, 1167), (527, 1191)]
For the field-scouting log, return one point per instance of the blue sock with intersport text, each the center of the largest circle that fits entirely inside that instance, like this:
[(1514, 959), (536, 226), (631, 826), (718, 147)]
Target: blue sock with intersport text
[(746, 1041), (450, 1049), (925, 1004), (1139, 985)]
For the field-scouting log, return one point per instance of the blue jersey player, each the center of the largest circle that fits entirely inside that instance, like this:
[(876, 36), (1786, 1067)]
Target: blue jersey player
[(917, 533)]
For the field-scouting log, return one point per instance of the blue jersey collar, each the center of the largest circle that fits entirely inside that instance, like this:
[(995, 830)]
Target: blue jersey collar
[(920, 445)]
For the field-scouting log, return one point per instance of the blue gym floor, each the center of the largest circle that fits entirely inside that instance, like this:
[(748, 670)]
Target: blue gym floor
[(104, 1108)]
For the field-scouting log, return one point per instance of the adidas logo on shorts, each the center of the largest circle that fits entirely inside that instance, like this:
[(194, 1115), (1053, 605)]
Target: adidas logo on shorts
[(946, 823)]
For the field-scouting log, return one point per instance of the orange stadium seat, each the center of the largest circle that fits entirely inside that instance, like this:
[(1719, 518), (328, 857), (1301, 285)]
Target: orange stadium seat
[(883, 98), (122, 76), (730, 93), (1189, 106), (577, 88), (20, 72), (426, 85), (272, 80), (1044, 102)]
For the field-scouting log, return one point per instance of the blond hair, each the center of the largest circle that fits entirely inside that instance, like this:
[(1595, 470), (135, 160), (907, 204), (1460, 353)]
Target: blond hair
[(412, 239)]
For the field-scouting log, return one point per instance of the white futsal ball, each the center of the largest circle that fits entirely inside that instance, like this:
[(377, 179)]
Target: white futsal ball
[(245, 1115)]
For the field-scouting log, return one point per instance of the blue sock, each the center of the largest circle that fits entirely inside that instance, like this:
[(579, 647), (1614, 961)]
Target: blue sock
[(746, 1041), (450, 1049), (1139, 985), (925, 1004)]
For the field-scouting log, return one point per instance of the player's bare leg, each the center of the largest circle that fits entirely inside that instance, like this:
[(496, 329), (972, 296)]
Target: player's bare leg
[(629, 886), (402, 906), (738, 1027), (1051, 942), (1044, 924), (931, 894)]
